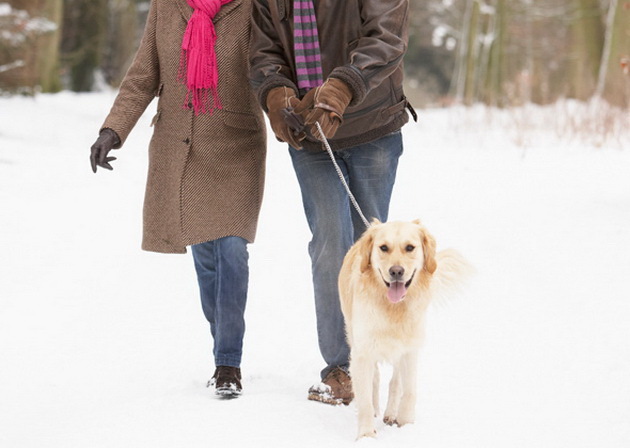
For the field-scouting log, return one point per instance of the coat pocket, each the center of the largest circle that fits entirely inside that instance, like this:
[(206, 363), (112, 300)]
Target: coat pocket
[(241, 120)]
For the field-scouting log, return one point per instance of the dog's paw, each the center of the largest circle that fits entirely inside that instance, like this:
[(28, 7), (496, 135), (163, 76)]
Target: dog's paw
[(402, 421), (366, 433), (390, 420)]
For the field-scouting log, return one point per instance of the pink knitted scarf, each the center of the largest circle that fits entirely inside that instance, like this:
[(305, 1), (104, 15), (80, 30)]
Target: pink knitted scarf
[(198, 62)]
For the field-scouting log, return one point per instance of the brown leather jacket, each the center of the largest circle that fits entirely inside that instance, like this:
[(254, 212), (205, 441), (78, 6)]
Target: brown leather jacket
[(362, 43)]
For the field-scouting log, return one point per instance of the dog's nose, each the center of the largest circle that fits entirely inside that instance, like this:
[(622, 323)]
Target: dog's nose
[(396, 273)]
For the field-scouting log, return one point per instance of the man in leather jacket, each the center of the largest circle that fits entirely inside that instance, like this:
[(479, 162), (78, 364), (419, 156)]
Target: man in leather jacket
[(357, 46)]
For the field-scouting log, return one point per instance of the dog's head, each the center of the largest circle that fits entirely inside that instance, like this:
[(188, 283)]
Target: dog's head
[(400, 255)]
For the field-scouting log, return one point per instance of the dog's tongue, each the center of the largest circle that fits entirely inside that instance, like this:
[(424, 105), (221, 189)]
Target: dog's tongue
[(396, 292)]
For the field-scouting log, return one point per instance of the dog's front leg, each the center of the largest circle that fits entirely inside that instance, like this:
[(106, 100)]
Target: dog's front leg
[(393, 401), (408, 376), (362, 373), (376, 402)]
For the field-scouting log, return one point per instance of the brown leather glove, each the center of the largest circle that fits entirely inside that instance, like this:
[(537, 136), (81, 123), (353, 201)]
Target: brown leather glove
[(280, 98), (106, 140), (325, 105)]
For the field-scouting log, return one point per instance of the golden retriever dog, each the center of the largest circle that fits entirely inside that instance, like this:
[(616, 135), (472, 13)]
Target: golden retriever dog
[(387, 280)]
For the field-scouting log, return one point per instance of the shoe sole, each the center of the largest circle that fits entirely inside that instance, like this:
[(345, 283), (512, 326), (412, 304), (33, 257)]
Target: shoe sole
[(328, 399), (228, 393)]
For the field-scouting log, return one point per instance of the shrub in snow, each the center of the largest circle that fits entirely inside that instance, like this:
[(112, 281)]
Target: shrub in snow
[(18, 28)]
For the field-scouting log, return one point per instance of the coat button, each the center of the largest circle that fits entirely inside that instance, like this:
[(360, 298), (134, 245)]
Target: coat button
[(186, 140)]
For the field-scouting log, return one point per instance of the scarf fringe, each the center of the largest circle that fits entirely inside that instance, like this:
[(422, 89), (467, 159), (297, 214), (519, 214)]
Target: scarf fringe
[(198, 62)]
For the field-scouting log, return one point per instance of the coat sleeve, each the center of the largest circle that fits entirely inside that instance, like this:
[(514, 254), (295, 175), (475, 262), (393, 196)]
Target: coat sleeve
[(269, 67), (140, 84), (380, 49)]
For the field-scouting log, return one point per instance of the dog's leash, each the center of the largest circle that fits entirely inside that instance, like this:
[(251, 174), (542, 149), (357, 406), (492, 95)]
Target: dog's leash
[(296, 124), (326, 145)]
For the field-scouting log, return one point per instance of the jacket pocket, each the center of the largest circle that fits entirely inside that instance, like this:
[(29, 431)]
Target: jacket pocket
[(396, 108)]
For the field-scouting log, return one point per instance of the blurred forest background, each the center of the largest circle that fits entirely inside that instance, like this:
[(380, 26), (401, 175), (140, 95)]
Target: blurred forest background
[(497, 52)]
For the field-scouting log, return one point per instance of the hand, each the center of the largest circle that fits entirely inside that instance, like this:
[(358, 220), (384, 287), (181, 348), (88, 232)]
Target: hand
[(279, 99), (106, 140), (325, 105)]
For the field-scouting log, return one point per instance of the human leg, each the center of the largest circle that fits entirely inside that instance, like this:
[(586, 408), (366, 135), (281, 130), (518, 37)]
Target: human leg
[(222, 273), (327, 212), (372, 171)]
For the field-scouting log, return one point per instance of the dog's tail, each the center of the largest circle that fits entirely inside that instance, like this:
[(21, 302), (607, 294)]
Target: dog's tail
[(453, 273)]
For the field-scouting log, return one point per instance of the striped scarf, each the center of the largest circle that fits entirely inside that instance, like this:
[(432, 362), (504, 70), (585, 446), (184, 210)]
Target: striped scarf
[(308, 59)]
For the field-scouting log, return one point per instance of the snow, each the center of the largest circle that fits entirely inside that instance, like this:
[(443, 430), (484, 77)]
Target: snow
[(104, 345)]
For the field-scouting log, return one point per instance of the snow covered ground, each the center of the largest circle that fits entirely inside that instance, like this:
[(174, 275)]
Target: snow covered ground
[(103, 345)]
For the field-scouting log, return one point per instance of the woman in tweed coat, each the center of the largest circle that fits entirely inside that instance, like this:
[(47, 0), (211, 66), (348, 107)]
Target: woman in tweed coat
[(206, 163)]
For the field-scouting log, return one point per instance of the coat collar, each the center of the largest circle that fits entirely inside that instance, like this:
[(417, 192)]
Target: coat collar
[(186, 10)]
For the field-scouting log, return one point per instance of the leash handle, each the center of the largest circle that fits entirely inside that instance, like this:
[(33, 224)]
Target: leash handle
[(293, 120), (340, 174)]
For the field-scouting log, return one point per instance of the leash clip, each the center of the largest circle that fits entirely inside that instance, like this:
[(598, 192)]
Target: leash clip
[(293, 120)]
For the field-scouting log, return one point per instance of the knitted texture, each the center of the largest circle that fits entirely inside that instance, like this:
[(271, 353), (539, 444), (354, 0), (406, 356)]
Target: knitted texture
[(308, 59), (206, 172), (198, 62)]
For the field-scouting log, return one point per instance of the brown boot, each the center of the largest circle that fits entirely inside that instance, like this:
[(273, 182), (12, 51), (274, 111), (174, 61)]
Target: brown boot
[(227, 381), (335, 388)]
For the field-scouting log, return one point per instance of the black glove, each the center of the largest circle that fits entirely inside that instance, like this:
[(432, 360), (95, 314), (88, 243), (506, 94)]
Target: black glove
[(106, 140)]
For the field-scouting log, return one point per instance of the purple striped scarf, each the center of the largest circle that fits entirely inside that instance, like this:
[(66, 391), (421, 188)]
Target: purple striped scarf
[(308, 59)]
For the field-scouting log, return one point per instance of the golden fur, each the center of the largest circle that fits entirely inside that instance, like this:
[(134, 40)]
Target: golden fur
[(382, 329)]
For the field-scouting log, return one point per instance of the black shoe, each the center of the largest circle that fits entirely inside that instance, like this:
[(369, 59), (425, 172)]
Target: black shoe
[(227, 382)]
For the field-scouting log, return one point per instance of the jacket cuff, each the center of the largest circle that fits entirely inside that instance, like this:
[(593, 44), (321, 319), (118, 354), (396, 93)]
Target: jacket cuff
[(272, 82), (355, 81)]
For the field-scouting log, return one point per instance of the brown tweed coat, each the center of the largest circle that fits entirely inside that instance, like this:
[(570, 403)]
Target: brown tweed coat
[(206, 172)]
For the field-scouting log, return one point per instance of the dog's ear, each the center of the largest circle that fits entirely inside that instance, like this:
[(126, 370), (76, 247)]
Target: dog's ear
[(364, 246), (428, 247)]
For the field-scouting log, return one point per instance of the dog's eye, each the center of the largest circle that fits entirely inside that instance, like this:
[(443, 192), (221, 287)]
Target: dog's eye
[(384, 248), (409, 248)]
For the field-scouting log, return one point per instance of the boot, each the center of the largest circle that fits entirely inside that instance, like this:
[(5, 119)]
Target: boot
[(227, 381), (335, 388)]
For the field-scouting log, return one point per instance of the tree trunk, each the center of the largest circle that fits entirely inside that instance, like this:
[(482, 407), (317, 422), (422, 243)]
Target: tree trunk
[(48, 49), (496, 66), (84, 30), (458, 84), (121, 41), (472, 56), (614, 78), (586, 50)]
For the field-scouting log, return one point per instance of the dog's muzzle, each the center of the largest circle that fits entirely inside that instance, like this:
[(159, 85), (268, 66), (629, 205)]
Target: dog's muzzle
[(396, 287)]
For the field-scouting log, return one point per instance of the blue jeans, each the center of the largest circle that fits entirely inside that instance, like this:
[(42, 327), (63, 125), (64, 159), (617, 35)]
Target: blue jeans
[(223, 275), (370, 171)]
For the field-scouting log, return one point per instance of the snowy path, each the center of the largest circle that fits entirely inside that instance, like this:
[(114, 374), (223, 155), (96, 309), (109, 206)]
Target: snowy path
[(103, 345)]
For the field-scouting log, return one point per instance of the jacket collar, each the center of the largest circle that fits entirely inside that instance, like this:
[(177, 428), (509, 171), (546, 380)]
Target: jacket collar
[(186, 10)]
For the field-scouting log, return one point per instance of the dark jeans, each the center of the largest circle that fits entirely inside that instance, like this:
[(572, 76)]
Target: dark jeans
[(370, 171), (223, 275)]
